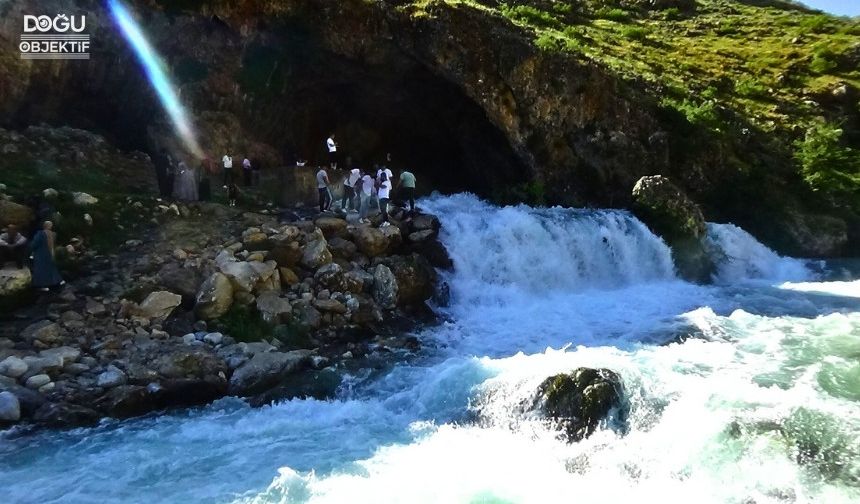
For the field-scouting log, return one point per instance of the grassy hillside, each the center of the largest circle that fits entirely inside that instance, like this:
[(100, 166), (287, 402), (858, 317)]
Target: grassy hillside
[(732, 66)]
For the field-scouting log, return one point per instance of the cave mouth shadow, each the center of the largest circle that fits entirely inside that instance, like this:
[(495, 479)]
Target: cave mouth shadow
[(391, 105)]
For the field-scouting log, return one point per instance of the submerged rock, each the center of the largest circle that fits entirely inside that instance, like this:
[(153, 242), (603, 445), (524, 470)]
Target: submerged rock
[(579, 401)]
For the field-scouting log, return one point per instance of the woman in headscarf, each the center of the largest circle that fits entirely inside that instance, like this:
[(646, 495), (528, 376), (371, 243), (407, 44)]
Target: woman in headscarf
[(186, 187), (45, 273)]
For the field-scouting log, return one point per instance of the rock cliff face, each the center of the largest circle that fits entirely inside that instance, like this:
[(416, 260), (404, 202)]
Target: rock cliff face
[(462, 96)]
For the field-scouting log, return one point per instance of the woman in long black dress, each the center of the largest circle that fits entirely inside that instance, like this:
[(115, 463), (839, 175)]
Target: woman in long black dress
[(45, 272)]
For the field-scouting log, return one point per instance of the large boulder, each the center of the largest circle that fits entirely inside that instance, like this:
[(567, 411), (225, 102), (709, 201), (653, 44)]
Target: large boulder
[(13, 213), (273, 308), (243, 276), (342, 248), (330, 276), (14, 281), (13, 367), (215, 297), (286, 253), (316, 254), (415, 278), (182, 280), (266, 370), (670, 213), (331, 226), (578, 402), (157, 306), (374, 242), (384, 287)]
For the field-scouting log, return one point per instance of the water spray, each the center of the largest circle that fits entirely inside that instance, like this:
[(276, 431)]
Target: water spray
[(155, 72)]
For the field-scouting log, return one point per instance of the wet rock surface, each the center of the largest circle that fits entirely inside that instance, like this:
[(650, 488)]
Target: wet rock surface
[(126, 337)]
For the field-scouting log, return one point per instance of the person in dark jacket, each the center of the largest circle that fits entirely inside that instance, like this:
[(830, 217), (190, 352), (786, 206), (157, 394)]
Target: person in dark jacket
[(45, 272)]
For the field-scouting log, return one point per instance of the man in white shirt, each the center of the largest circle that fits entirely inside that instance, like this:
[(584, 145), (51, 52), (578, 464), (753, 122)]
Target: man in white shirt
[(349, 190), (332, 152), (367, 184), (322, 188), (383, 188), (227, 160)]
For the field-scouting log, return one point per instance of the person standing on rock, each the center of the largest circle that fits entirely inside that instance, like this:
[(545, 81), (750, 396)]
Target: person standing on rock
[(383, 187), (349, 190), (406, 186), (332, 152), (366, 184), (322, 189), (45, 273), (13, 246), (227, 161), (246, 171)]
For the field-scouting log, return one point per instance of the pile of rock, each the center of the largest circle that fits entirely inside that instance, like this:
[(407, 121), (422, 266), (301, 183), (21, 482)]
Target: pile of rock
[(322, 275), (140, 330)]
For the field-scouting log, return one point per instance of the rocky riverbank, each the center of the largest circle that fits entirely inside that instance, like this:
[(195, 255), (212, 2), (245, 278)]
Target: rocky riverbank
[(213, 301)]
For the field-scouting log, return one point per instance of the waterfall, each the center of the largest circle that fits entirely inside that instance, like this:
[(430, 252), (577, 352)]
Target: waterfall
[(740, 256)]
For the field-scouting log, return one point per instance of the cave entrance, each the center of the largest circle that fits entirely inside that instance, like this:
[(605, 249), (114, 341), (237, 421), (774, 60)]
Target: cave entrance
[(393, 105)]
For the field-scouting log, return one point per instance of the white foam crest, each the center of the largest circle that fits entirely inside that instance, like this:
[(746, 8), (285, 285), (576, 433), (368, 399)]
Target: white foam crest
[(681, 445), (741, 257), (544, 250)]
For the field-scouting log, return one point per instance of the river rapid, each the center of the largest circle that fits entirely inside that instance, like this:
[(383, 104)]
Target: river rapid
[(745, 391)]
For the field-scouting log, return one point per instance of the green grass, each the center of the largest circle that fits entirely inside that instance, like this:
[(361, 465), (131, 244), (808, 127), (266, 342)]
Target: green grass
[(726, 66)]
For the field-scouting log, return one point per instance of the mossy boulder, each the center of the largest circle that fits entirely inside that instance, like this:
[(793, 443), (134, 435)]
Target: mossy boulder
[(670, 213), (578, 402)]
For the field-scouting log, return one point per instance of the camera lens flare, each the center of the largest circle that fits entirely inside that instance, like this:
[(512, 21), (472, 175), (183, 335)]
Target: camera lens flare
[(155, 72)]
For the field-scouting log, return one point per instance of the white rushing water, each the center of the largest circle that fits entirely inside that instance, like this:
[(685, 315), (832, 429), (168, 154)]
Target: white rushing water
[(759, 405)]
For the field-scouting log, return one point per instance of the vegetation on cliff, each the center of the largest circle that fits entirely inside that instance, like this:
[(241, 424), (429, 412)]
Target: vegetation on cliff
[(733, 67)]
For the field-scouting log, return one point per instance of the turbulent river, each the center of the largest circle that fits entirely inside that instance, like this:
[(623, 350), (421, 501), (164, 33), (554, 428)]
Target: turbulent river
[(745, 391)]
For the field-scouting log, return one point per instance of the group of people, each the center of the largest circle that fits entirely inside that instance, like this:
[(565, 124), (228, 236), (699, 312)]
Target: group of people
[(361, 189), (14, 247), (178, 180)]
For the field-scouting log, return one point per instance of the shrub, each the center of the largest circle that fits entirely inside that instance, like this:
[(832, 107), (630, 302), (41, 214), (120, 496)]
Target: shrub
[(635, 33), (617, 15), (703, 114), (549, 42), (823, 61), (530, 15), (751, 88), (672, 13), (821, 23), (826, 164)]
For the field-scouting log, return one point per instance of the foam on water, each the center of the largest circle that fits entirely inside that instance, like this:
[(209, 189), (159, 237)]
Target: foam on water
[(742, 257), (759, 404)]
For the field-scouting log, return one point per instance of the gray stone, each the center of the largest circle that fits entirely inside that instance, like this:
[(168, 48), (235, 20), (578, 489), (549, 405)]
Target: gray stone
[(36, 381), (10, 407), (384, 287), (65, 354), (157, 306), (316, 254), (13, 367), (214, 338), (273, 307), (112, 377), (215, 297), (45, 331), (266, 370), (83, 199)]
